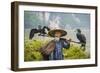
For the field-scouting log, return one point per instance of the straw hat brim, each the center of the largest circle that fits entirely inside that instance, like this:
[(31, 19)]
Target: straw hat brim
[(52, 32)]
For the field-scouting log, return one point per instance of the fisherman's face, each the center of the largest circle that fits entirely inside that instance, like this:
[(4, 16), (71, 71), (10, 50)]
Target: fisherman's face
[(58, 34)]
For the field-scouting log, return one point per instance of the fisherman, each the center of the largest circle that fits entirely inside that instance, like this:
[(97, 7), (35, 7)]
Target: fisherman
[(54, 49)]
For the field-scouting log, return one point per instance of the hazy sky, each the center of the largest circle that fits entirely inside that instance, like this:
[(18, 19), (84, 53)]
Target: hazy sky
[(64, 20)]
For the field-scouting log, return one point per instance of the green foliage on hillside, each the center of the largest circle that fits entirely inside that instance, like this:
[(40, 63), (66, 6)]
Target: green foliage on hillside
[(74, 52), (32, 53)]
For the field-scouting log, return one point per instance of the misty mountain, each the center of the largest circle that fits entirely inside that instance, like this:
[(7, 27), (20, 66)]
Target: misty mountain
[(66, 20)]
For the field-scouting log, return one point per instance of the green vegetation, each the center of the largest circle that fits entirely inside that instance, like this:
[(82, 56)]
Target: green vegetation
[(31, 50), (32, 47), (74, 52)]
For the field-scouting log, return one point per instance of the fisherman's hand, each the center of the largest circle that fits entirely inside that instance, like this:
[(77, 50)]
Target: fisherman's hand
[(70, 40)]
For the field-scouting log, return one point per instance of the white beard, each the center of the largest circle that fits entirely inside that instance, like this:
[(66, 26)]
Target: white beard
[(56, 38)]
